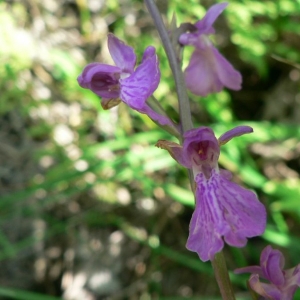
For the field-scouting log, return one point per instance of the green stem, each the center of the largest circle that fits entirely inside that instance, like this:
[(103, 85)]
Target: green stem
[(222, 277), (183, 99), (184, 104)]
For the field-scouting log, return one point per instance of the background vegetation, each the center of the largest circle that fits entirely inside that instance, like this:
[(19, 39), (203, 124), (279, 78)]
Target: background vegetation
[(89, 208)]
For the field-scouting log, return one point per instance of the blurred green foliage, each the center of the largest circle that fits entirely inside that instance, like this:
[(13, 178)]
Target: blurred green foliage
[(93, 168)]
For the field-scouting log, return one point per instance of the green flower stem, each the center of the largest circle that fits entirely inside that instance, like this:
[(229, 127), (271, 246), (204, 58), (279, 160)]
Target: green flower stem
[(183, 99), (222, 277), (184, 104)]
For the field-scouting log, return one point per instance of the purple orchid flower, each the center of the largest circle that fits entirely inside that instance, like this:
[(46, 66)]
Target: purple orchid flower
[(208, 71), (122, 82), (224, 210), (283, 283)]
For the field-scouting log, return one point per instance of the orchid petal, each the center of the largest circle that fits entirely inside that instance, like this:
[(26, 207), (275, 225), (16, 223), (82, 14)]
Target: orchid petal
[(90, 70), (226, 174), (205, 25), (204, 238), (122, 54), (150, 58), (283, 283), (200, 75), (196, 135), (272, 262), (235, 132), (229, 77), (264, 256), (200, 133), (190, 38), (223, 208), (208, 71), (244, 214), (201, 144), (102, 79), (136, 88)]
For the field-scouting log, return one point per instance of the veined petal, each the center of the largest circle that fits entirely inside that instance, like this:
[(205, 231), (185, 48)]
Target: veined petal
[(122, 54), (102, 79), (153, 69), (205, 25), (223, 209), (242, 211), (236, 131), (201, 74), (226, 174), (136, 88), (205, 236), (227, 75)]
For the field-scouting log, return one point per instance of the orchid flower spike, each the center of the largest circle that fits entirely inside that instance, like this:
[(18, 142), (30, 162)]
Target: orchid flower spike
[(208, 71), (122, 82), (224, 210), (283, 283)]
